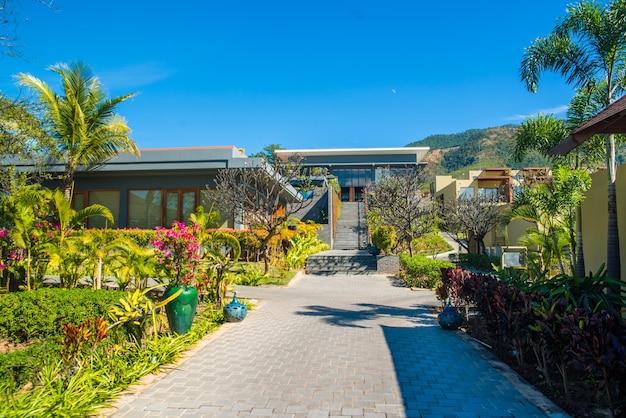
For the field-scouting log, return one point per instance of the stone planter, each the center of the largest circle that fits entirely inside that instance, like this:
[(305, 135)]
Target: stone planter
[(388, 264)]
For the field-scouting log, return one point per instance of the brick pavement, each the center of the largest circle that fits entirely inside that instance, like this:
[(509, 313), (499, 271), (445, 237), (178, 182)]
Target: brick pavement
[(337, 346)]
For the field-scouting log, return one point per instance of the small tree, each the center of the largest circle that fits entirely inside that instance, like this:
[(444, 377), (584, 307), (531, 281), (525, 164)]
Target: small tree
[(397, 201), (474, 217), (261, 195)]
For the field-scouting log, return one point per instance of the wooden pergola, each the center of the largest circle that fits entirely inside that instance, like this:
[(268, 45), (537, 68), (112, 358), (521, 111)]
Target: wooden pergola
[(612, 120)]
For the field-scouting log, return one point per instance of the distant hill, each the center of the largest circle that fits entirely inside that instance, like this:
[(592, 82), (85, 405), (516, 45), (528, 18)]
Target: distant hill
[(474, 149)]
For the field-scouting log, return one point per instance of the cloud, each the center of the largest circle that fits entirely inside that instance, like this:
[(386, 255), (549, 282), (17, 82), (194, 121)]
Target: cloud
[(134, 76), (553, 110)]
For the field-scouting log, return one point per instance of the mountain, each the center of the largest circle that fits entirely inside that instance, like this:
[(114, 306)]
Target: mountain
[(474, 149)]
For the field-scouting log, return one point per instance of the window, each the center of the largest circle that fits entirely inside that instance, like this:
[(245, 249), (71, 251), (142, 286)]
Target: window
[(179, 204), (467, 193), (78, 200), (144, 208), (150, 208), (109, 199), (489, 193)]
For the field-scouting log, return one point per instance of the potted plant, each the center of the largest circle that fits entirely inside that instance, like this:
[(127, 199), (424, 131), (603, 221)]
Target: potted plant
[(176, 251)]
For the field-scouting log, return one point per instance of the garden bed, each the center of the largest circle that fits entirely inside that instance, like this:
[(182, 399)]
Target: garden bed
[(581, 404)]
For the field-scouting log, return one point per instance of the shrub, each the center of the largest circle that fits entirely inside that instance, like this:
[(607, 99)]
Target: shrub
[(42, 313), (479, 262), (420, 271), (430, 244), (384, 238)]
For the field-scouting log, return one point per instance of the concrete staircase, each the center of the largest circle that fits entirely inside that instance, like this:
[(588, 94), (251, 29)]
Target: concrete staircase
[(341, 262), (351, 233), (348, 255)]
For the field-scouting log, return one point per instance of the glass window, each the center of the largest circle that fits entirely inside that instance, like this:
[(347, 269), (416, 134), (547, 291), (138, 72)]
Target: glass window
[(489, 192), (467, 193), (188, 204), (78, 200), (171, 208), (109, 199), (144, 208)]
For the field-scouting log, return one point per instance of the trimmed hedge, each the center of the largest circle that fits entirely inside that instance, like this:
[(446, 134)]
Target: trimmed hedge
[(42, 313), (421, 271)]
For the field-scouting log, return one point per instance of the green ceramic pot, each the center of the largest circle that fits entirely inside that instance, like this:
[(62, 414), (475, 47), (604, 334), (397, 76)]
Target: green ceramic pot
[(180, 311)]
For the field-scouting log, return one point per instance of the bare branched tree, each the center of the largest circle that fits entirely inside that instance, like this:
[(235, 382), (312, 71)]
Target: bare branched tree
[(396, 200), (9, 21), (261, 196), (473, 217)]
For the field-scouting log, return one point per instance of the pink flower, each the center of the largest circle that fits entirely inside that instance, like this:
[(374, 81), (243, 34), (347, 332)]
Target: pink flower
[(177, 252)]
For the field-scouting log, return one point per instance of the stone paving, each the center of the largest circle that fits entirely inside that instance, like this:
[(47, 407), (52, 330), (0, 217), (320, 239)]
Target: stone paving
[(338, 346)]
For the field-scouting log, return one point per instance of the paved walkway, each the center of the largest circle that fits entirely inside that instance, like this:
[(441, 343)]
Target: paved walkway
[(340, 346)]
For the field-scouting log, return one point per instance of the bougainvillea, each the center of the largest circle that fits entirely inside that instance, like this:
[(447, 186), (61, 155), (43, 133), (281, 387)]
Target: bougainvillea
[(177, 252)]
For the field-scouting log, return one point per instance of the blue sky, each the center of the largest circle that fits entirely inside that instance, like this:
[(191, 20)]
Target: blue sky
[(302, 74)]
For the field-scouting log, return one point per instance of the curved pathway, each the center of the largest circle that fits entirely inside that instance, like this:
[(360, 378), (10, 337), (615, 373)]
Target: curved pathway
[(340, 346)]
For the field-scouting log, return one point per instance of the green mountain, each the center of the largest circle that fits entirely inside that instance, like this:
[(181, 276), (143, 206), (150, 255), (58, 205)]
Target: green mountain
[(474, 149)]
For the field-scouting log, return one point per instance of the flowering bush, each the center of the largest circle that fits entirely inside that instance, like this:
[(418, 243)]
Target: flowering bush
[(3, 234), (177, 252)]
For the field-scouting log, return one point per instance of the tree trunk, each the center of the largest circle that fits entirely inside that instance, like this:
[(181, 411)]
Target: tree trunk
[(580, 256)]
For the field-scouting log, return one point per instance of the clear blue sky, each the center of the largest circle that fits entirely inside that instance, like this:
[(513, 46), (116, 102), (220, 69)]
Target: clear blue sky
[(303, 74)]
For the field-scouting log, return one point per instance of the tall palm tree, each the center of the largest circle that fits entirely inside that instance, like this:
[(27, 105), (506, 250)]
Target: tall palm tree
[(588, 48), (83, 123)]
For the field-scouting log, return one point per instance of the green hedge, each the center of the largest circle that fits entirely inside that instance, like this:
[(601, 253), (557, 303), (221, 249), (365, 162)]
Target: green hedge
[(41, 313), (421, 271), (480, 262)]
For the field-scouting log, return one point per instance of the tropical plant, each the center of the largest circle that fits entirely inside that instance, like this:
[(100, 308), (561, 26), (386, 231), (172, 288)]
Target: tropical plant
[(220, 251), (83, 123), (177, 252), (384, 238), (552, 206), (588, 48), (249, 275), (131, 263), (66, 248), (137, 312)]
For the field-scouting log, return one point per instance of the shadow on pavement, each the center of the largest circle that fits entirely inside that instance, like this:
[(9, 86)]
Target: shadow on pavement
[(365, 312)]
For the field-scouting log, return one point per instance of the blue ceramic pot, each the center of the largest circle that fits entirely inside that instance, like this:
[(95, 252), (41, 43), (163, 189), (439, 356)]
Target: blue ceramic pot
[(450, 318), (235, 311)]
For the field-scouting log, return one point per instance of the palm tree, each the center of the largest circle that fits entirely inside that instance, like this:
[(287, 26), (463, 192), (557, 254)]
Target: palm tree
[(543, 132), (83, 123), (67, 249), (588, 48)]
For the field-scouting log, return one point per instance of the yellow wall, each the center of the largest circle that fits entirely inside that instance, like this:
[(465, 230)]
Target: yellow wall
[(594, 210)]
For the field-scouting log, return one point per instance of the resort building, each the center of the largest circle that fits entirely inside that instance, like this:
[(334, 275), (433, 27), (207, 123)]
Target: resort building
[(167, 184), (499, 183), (356, 168)]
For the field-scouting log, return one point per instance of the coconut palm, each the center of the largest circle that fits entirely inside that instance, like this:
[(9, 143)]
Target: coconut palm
[(588, 48), (82, 122)]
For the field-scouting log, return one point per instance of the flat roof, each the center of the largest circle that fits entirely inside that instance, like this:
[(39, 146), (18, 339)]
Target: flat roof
[(421, 151)]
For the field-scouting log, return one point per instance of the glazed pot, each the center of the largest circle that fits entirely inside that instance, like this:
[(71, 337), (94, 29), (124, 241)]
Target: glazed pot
[(180, 311), (235, 311), (450, 318)]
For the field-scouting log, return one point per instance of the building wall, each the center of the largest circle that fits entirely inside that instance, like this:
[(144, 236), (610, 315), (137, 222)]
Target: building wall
[(448, 188), (595, 220)]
